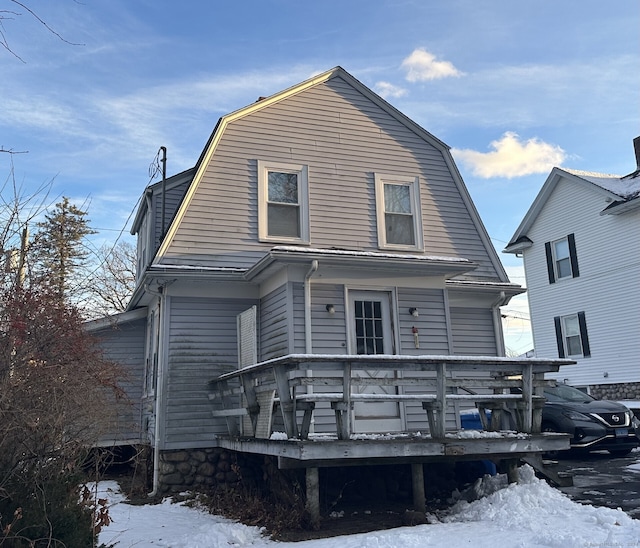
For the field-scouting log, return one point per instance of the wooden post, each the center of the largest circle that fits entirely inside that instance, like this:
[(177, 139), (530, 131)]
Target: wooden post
[(286, 401), (527, 396), (512, 470), (417, 478), (441, 401), (253, 408), (313, 496), (232, 421), (343, 412), (346, 398)]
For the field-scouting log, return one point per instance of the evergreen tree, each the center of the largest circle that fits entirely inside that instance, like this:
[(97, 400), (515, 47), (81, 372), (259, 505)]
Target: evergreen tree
[(58, 250)]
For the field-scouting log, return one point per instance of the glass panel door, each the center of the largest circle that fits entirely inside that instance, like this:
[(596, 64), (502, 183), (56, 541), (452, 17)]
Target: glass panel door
[(372, 333)]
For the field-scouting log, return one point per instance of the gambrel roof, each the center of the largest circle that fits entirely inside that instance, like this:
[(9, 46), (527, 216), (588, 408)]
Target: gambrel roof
[(621, 192), (224, 123)]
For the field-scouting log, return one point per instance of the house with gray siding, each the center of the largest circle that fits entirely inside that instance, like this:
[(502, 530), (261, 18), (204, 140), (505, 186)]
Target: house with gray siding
[(328, 240), (579, 244)]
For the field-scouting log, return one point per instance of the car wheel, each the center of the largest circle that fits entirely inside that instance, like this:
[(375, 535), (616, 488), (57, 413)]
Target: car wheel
[(619, 452)]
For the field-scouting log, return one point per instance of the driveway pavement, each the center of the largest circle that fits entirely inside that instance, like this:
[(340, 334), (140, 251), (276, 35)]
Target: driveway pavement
[(600, 480)]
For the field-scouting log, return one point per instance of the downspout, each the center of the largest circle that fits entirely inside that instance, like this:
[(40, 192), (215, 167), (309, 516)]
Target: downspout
[(159, 389), (308, 343), (497, 321), (308, 340)]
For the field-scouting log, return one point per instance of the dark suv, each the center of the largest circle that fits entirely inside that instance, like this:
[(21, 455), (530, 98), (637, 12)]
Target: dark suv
[(593, 424)]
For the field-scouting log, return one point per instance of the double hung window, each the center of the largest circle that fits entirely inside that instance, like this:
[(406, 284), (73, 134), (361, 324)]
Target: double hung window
[(562, 259), (283, 202), (571, 336), (398, 212)]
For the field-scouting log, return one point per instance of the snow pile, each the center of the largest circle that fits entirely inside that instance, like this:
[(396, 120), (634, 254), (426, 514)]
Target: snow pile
[(549, 515), (530, 514)]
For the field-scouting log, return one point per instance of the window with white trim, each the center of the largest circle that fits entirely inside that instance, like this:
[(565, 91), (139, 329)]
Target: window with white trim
[(571, 336), (283, 203), (398, 212), (562, 259)]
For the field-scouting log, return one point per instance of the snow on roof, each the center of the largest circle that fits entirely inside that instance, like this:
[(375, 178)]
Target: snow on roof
[(351, 253), (624, 186), (225, 269)]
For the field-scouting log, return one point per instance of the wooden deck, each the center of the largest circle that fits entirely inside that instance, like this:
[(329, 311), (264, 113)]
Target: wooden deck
[(296, 383), (441, 386)]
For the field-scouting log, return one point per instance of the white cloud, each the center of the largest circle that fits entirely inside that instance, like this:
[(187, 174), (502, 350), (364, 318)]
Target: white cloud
[(512, 157), (422, 66), (387, 90)]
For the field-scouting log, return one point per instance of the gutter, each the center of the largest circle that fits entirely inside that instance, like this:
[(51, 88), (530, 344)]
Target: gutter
[(308, 335), (159, 389), (497, 321)]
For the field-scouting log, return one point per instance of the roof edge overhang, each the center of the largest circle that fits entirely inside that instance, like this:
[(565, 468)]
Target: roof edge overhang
[(161, 275), (516, 247), (115, 319), (618, 207), (420, 265), (509, 289)]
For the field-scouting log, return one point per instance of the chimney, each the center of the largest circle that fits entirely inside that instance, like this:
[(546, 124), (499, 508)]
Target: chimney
[(636, 147)]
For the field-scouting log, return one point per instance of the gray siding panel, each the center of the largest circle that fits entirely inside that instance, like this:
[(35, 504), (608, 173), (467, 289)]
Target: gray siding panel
[(297, 290), (124, 344), (431, 322), (202, 345), (175, 194), (344, 139), (274, 325), (329, 335), (473, 332)]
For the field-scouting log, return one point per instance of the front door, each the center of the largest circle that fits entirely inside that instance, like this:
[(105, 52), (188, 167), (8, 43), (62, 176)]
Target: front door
[(372, 333)]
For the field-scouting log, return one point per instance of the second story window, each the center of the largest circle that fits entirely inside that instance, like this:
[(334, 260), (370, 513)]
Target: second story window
[(562, 259), (283, 202), (398, 212)]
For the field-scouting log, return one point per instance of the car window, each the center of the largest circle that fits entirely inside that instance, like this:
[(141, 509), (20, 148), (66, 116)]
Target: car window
[(564, 392)]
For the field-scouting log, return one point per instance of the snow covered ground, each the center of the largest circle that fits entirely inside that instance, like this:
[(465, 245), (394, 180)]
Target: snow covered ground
[(530, 514)]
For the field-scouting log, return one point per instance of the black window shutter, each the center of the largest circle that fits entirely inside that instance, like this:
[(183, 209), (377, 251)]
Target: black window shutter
[(582, 322), (550, 270), (573, 255), (559, 338)]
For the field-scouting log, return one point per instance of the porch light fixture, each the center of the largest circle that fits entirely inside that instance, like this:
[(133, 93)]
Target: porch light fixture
[(331, 309), (414, 312)]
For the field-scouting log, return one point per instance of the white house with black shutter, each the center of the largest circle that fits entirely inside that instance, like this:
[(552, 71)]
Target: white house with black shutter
[(580, 243)]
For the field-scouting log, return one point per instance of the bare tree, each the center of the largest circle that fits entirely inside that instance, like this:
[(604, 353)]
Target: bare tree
[(112, 284), (18, 210), (17, 9), (58, 396)]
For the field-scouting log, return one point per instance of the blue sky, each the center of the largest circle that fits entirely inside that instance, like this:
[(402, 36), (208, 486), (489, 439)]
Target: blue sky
[(513, 87)]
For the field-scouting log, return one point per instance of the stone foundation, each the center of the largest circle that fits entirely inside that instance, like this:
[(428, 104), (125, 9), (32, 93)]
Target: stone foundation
[(620, 391), (199, 468)]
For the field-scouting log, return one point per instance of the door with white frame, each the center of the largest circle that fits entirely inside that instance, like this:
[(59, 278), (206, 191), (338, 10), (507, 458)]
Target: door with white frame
[(371, 332)]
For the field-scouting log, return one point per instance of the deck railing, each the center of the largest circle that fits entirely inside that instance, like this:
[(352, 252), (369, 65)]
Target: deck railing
[(295, 383)]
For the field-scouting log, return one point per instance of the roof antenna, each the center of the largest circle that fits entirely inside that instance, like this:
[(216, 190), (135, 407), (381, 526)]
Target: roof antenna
[(164, 183), (154, 169)]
